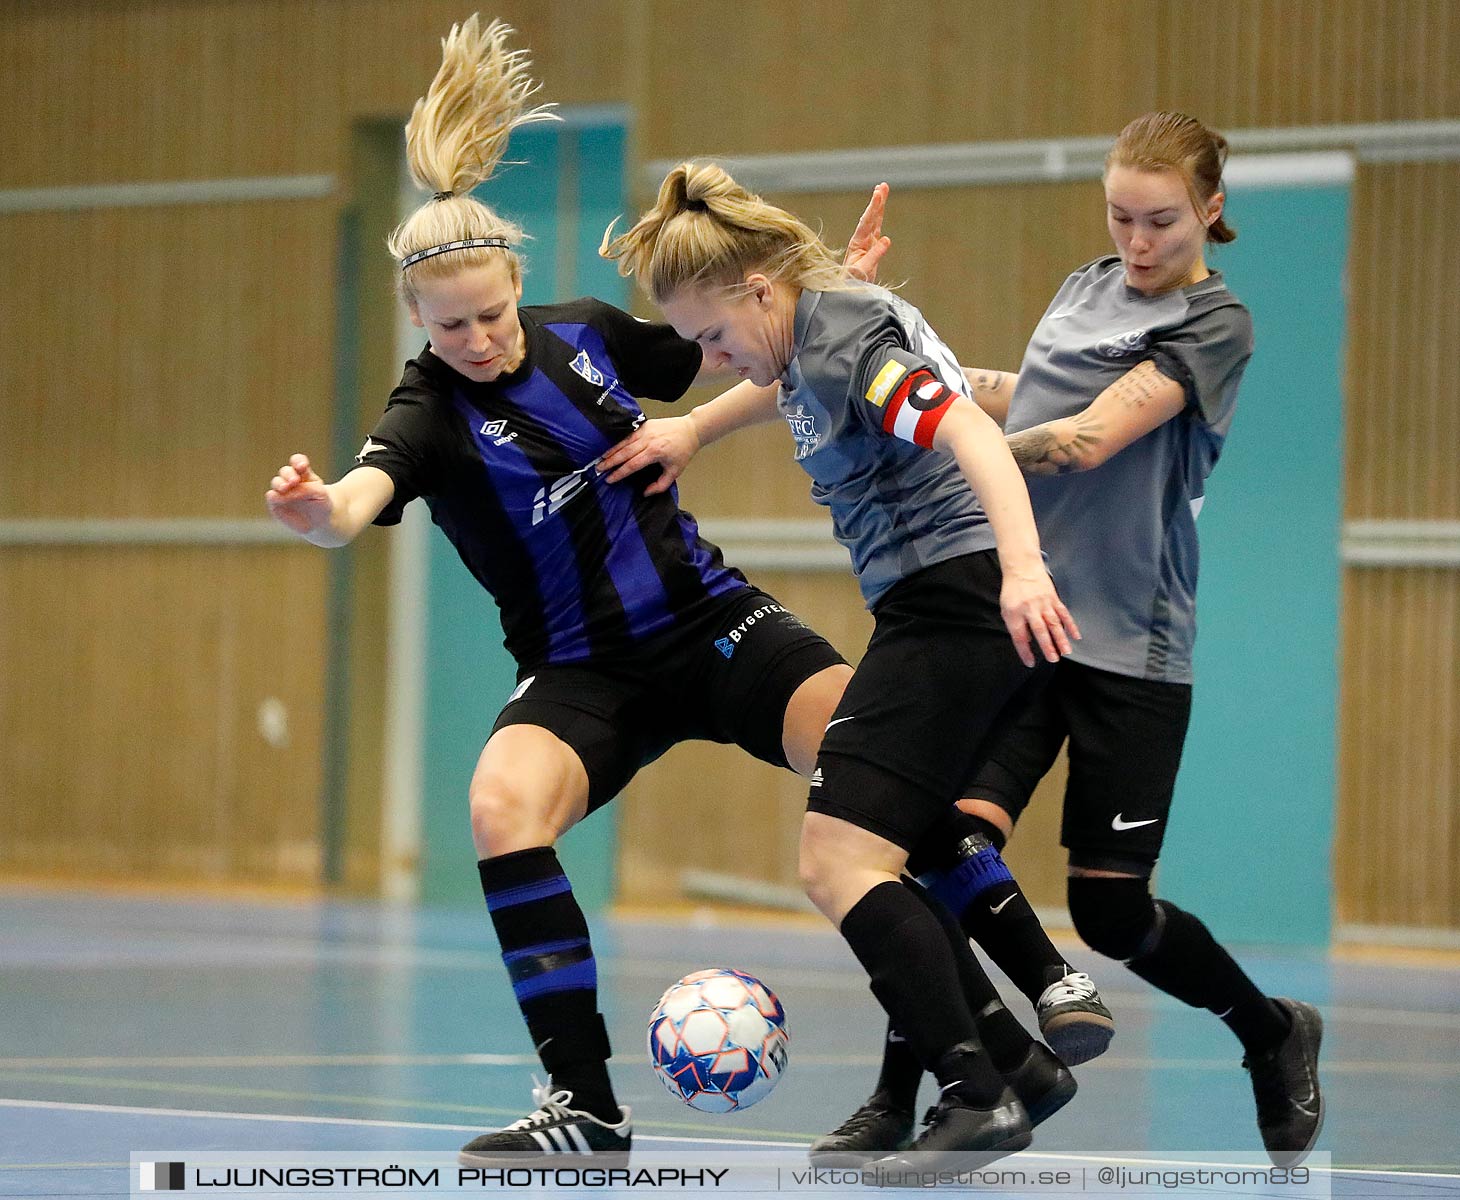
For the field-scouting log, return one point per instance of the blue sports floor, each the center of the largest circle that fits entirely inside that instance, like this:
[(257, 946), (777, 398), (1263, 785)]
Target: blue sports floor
[(170, 1025)]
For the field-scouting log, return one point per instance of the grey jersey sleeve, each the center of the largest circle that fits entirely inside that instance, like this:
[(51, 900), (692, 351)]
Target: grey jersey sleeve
[(1207, 355)]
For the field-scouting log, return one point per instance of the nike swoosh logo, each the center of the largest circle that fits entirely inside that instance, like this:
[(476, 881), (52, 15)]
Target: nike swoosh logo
[(838, 721), (996, 909), (1120, 825)]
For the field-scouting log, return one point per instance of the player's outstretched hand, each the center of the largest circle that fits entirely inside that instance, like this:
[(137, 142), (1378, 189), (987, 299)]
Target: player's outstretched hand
[(297, 497), (668, 442), (1034, 614), (868, 246)]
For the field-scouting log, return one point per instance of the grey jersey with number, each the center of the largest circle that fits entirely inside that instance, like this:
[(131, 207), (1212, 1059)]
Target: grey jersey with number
[(867, 384), (1121, 539)]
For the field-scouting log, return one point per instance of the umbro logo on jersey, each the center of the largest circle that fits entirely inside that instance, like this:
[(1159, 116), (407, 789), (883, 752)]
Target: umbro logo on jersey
[(497, 431), (583, 365), (725, 646), (370, 447), (1120, 825)]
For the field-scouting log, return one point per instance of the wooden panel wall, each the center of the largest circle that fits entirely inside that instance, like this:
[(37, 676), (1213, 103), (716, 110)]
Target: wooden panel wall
[(1398, 832), (160, 361)]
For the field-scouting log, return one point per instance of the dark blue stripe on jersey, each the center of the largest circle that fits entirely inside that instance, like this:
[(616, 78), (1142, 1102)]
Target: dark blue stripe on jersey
[(718, 579), (517, 483), (713, 575), (630, 565)]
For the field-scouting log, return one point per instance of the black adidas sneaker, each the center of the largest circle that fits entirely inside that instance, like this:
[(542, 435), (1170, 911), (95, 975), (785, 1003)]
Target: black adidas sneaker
[(554, 1130)]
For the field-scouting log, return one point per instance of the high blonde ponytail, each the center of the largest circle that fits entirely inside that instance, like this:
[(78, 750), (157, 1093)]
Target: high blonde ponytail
[(707, 230), (455, 139)]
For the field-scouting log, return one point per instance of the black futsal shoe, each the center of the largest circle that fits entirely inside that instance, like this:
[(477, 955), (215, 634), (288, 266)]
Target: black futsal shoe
[(958, 1137), (1073, 1019), (1285, 1085), (552, 1132), (875, 1129), (1042, 1083)]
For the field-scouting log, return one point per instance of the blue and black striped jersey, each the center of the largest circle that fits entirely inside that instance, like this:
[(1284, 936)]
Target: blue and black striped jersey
[(579, 568)]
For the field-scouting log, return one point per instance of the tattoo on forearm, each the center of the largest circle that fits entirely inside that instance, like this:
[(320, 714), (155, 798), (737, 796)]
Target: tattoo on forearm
[(1056, 447), (1137, 387), (988, 381)]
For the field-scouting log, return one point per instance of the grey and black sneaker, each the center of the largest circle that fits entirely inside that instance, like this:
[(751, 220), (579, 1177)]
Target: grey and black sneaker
[(1073, 1019), (875, 1129), (1285, 1085), (958, 1137), (553, 1131), (1042, 1083)]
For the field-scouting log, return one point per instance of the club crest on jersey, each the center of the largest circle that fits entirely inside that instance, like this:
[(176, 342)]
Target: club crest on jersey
[(1125, 343), (803, 429), (497, 431), (725, 646), (583, 365)]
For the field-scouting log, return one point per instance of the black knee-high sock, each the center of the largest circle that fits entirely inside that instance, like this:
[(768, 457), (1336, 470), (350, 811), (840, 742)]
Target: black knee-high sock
[(1174, 951), (549, 959), (1185, 961), (967, 873), (1003, 1037), (901, 1072), (912, 973)]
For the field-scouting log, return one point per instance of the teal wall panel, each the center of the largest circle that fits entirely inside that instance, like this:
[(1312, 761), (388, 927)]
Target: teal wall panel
[(1250, 843)]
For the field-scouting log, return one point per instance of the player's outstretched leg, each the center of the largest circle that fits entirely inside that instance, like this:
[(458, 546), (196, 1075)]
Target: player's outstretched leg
[(1174, 951), (973, 881), (549, 959)]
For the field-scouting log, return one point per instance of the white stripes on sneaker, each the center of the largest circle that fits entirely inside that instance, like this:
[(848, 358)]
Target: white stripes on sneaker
[(564, 1139)]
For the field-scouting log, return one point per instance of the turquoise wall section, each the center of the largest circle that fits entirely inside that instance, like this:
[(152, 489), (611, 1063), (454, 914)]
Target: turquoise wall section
[(1250, 843), (567, 186)]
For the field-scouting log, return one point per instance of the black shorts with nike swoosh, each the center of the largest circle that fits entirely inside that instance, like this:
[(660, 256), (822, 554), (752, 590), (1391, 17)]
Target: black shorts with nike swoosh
[(938, 685), (727, 676), (1125, 739)]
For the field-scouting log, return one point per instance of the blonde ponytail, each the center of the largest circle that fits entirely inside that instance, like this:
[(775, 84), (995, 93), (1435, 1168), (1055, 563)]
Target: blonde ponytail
[(455, 139), (707, 230)]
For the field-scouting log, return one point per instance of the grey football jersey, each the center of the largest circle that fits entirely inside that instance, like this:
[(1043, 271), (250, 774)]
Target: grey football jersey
[(867, 384), (1121, 539)]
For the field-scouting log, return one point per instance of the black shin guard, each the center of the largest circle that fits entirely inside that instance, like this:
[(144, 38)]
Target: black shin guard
[(549, 959), (998, 1029), (911, 970), (965, 870)]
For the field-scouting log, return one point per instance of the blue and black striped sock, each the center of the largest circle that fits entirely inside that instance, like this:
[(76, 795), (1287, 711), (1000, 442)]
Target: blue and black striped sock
[(549, 958)]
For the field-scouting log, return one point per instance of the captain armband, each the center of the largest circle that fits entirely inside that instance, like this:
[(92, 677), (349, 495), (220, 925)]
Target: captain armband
[(912, 400)]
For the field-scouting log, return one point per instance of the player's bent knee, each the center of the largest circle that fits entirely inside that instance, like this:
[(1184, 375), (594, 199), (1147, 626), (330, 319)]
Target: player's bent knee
[(504, 818), (1114, 916)]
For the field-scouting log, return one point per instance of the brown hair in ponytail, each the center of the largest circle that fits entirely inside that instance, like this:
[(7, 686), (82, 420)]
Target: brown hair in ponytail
[(1172, 141)]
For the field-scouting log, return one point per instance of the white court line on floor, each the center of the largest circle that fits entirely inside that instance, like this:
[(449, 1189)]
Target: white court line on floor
[(1423, 1068), (122, 1110), (285, 1118)]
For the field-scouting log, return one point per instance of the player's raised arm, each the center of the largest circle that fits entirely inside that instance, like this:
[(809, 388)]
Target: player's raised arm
[(326, 514)]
